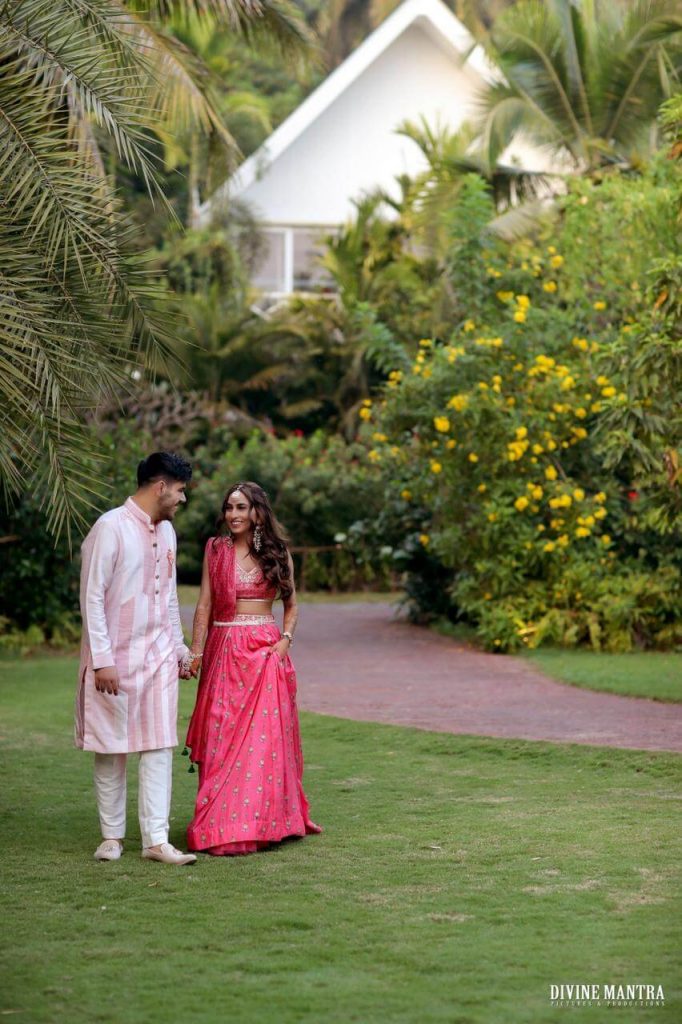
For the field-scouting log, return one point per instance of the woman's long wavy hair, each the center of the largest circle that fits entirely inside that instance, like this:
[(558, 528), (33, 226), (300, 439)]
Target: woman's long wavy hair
[(273, 556)]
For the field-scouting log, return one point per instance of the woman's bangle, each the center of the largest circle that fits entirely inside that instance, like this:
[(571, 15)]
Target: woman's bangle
[(290, 638)]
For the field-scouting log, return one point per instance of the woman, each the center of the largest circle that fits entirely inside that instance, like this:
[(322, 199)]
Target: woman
[(244, 732)]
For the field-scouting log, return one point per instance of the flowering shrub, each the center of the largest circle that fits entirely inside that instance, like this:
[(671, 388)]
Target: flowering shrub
[(492, 444)]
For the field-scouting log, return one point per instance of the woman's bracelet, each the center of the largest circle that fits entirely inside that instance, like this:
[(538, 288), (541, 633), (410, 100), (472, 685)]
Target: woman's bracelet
[(290, 638), (189, 660)]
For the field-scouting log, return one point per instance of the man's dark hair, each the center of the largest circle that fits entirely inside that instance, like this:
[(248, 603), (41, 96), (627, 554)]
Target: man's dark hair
[(163, 466)]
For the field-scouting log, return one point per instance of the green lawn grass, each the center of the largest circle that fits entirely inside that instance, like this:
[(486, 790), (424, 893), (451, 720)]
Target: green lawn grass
[(457, 878), (641, 674), (653, 674)]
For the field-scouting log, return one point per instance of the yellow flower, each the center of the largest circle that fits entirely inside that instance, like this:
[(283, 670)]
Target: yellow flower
[(557, 261), (487, 597), (582, 531), (602, 380), (482, 385), (522, 301), (473, 457), (458, 402), (407, 495), (520, 316), (551, 445), (511, 400), (469, 325), (600, 497), (451, 443), (442, 424), (395, 375), (373, 455), (595, 407), (379, 437), (563, 540), (541, 527), (581, 343), (416, 368), (579, 494), (599, 305), (365, 413), (551, 249), (549, 546), (521, 432), (424, 539), (521, 503), (435, 466), (505, 296), (551, 473), (581, 413), (549, 286), (537, 492), (497, 379), (426, 343), (608, 392), (482, 488), (538, 449), (367, 401), (589, 521), (516, 450), (492, 516), (517, 366), (600, 513), (580, 433), (605, 539), (567, 383), (427, 372)]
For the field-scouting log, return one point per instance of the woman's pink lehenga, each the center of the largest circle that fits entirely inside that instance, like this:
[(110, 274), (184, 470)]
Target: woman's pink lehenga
[(244, 732)]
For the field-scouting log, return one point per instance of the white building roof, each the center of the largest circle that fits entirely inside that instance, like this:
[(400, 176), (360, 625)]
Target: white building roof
[(342, 141)]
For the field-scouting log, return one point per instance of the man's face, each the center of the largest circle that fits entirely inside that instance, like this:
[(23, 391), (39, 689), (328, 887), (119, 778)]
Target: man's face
[(170, 494)]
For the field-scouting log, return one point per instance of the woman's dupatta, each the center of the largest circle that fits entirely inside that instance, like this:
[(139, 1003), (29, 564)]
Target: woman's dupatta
[(222, 571), (222, 564)]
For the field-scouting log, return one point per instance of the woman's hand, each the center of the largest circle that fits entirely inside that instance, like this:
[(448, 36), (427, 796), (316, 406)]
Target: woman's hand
[(281, 648)]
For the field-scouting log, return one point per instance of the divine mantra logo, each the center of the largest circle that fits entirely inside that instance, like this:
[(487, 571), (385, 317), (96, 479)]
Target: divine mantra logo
[(606, 995)]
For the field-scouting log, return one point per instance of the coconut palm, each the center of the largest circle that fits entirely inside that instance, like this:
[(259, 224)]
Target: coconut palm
[(76, 309), (584, 77)]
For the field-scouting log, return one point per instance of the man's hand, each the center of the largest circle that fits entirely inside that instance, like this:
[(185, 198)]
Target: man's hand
[(106, 680)]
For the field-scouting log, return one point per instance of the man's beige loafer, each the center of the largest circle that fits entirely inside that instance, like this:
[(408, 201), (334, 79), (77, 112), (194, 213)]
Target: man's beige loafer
[(110, 849), (167, 854)]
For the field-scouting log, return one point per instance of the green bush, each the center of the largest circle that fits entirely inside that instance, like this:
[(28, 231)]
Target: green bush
[(525, 457), (319, 486), (39, 583)]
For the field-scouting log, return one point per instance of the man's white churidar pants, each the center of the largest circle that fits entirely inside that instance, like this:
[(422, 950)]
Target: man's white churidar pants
[(154, 794)]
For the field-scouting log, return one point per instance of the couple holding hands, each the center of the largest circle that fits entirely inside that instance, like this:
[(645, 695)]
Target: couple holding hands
[(244, 733)]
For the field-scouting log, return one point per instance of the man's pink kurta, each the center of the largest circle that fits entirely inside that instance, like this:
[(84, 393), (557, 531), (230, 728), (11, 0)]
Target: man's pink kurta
[(131, 619)]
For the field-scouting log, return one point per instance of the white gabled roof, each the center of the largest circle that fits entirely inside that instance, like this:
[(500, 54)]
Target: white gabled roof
[(431, 15)]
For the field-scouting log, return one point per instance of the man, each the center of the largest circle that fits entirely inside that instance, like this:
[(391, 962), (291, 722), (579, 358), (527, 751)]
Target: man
[(131, 655)]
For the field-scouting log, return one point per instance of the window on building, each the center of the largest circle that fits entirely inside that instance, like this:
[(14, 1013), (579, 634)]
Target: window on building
[(290, 261)]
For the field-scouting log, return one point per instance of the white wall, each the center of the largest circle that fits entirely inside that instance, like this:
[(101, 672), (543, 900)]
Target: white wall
[(352, 148)]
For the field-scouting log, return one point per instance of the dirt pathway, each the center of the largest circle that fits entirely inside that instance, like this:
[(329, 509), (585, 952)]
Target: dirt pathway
[(358, 661)]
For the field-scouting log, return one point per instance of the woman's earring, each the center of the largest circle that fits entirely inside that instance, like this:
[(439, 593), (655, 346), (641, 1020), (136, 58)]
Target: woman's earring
[(257, 539)]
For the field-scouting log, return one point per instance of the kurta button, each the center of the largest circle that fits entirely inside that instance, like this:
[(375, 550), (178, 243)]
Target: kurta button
[(155, 545), (157, 576), (156, 591)]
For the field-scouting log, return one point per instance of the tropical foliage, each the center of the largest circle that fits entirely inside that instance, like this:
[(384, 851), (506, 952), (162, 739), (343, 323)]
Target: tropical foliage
[(585, 79), (83, 85), (532, 455)]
